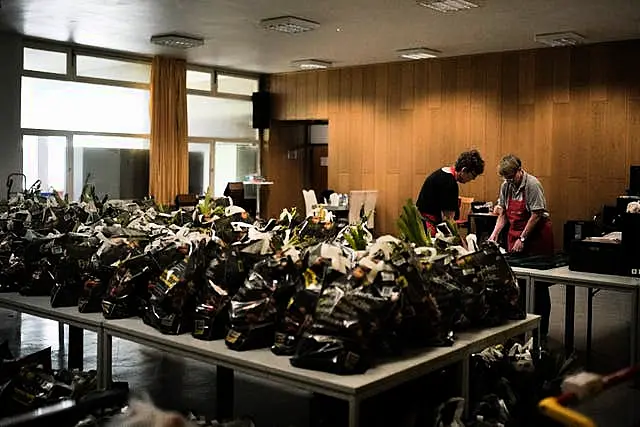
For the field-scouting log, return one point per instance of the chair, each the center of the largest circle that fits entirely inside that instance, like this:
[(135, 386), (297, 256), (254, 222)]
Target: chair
[(360, 200), (464, 204), (310, 201)]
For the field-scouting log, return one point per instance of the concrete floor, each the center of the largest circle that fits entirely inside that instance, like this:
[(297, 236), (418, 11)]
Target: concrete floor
[(176, 383)]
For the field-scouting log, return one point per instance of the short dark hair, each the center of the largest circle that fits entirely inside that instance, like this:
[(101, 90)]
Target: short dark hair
[(471, 162), (509, 165)]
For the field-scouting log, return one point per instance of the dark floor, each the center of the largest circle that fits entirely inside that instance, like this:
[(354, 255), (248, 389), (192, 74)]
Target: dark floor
[(178, 383)]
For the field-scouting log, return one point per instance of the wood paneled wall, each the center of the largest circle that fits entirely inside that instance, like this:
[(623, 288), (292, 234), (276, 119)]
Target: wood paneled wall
[(571, 114)]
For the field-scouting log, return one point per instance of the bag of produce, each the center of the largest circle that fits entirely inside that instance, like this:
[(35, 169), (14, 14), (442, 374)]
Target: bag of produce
[(13, 273), (345, 322), (489, 287), (76, 261), (298, 316), (94, 286), (127, 292), (218, 284), (172, 302), (254, 309)]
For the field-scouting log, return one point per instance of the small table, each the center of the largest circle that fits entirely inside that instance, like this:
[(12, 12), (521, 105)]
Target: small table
[(259, 185), (593, 282)]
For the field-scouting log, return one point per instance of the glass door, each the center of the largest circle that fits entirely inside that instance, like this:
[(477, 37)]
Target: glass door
[(44, 158)]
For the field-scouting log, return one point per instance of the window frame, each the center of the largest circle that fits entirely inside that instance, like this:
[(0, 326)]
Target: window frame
[(235, 74), (72, 51)]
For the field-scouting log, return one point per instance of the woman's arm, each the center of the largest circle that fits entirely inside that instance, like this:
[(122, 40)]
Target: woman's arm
[(500, 223)]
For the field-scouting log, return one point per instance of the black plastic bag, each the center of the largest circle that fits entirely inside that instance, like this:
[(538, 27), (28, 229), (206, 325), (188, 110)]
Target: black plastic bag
[(170, 309), (346, 320), (41, 281), (127, 292), (94, 287), (298, 316), (69, 272), (489, 287), (254, 309), (211, 313), (13, 273)]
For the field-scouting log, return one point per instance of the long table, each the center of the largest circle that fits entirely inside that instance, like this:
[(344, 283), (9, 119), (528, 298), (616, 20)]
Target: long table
[(594, 283), (262, 363), (41, 307)]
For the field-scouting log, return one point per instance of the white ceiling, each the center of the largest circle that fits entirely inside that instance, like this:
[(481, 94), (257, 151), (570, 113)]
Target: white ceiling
[(370, 30)]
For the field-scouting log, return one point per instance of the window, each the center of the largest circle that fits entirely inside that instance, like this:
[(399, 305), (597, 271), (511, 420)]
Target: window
[(117, 166), (113, 69), (199, 167), (46, 61), (222, 118), (68, 105), (198, 80), (237, 85), (44, 158), (233, 162)]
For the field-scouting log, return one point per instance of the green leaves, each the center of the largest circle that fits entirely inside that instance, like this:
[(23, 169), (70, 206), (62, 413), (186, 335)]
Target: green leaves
[(410, 225), (355, 236)]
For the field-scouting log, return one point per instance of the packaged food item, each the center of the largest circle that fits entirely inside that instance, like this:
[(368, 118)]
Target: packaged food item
[(254, 309)]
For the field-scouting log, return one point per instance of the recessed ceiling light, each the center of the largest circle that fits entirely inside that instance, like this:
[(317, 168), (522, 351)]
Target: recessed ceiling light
[(418, 53), (448, 5), (180, 41), (559, 39), (289, 24), (311, 64)]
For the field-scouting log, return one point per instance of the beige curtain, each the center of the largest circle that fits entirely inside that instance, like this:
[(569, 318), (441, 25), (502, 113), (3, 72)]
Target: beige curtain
[(169, 149)]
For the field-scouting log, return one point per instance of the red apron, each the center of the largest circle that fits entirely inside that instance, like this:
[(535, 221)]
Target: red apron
[(540, 239), (431, 221)]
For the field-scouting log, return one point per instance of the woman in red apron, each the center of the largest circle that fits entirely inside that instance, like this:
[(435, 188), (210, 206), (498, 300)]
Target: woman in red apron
[(438, 198), (524, 209)]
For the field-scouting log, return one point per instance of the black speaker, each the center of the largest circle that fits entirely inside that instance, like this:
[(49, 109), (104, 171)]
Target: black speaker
[(634, 181), (261, 110)]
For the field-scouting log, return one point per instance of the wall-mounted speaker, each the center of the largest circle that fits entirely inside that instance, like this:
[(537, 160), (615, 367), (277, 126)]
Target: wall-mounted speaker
[(634, 181), (261, 110)]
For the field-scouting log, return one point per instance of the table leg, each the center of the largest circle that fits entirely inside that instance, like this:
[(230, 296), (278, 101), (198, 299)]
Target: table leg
[(635, 318), (464, 383), (104, 360), (530, 295), (258, 201), (536, 345), (569, 318), (224, 393), (76, 347), (590, 294), (354, 412)]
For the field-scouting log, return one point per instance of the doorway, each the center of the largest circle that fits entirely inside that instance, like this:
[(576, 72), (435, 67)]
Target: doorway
[(295, 158)]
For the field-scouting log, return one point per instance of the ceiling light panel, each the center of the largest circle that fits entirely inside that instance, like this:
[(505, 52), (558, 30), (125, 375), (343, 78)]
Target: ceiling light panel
[(178, 41), (289, 24), (311, 64), (560, 39), (418, 53), (446, 6)]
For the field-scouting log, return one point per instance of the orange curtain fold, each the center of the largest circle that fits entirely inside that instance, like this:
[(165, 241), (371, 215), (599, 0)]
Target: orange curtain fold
[(168, 148)]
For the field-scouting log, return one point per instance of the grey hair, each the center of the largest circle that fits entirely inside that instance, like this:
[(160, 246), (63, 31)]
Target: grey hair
[(509, 165)]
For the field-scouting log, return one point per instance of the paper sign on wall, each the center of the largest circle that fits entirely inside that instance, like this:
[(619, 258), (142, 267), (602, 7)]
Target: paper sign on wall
[(324, 161)]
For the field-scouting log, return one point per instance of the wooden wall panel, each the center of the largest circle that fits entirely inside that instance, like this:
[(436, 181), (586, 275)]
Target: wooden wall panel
[(572, 114)]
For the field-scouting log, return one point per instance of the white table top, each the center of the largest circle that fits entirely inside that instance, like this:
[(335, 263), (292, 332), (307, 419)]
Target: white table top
[(564, 275), (523, 273), (263, 363), (41, 307), (257, 182)]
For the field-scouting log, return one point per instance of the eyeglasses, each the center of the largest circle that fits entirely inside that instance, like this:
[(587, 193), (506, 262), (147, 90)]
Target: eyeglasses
[(511, 177)]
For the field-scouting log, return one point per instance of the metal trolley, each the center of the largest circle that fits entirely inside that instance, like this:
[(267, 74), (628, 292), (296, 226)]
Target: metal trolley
[(585, 386)]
